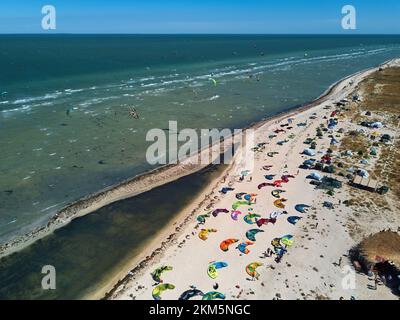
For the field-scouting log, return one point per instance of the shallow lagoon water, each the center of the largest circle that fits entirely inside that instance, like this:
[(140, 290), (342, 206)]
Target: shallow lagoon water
[(90, 250)]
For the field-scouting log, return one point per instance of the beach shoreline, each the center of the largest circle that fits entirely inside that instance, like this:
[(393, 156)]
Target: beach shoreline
[(341, 88), (126, 188), (149, 180)]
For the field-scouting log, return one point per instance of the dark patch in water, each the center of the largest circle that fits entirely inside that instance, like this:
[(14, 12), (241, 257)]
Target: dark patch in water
[(91, 248)]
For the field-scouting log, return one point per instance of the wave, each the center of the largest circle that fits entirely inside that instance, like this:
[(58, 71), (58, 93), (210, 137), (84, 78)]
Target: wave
[(156, 85)]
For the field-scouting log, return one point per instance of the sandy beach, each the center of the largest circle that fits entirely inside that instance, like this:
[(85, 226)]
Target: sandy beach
[(314, 263)]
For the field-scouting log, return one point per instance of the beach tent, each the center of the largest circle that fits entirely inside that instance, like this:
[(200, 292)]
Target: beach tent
[(376, 125), (157, 291), (362, 173), (314, 176), (156, 274), (251, 234), (328, 205), (224, 245), (329, 183), (373, 151), (309, 152)]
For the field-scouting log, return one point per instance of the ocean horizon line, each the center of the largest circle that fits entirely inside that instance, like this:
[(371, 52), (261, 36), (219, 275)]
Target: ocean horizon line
[(197, 34)]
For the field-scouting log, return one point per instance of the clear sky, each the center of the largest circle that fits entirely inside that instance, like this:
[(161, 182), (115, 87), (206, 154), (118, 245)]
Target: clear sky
[(200, 16)]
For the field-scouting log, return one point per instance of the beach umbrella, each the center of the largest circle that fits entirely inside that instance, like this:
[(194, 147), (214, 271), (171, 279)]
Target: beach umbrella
[(380, 247)]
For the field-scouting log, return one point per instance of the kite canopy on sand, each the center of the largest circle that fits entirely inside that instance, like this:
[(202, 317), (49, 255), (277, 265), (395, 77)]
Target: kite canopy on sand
[(202, 218), (277, 193), (203, 234), (293, 219), (156, 274), (276, 214), (243, 247), (216, 212), (261, 222), (287, 240), (379, 247), (213, 267), (224, 245), (234, 214), (237, 204), (279, 203), (251, 218), (251, 234), (302, 208), (240, 195), (187, 295), (212, 295), (157, 291), (251, 269)]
